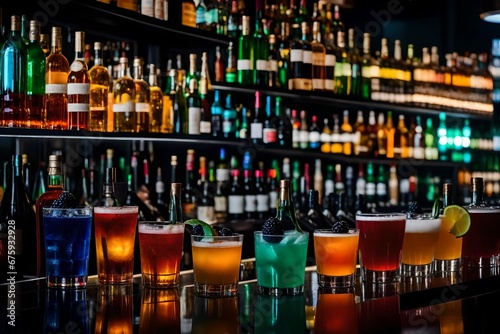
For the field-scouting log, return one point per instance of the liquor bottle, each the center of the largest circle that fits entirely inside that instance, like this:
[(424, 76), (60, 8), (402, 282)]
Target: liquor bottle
[(108, 189), (342, 67), (236, 199), (234, 21), (339, 185), (318, 59), (295, 121), (188, 13), (13, 57), (284, 56), (35, 77), (161, 203), (393, 185), (219, 67), (408, 74), (401, 142), (477, 191), (330, 57), (193, 103), (431, 148), (78, 86), (346, 134), (179, 109), (318, 179), (272, 62), (175, 204), (329, 186), (155, 100), (442, 138), (366, 64), (231, 66), (205, 206), (256, 127), (360, 138), (189, 197), (270, 131), (286, 208), (142, 97), (389, 130), (381, 188), (361, 181), (447, 195), (245, 63), (307, 55), (216, 112), (201, 14), (325, 137), (124, 119), (355, 60), (17, 214), (385, 71), (55, 187), (260, 48), (314, 134), (304, 131), (229, 119), (56, 77), (284, 125), (100, 83), (315, 219), (336, 143), (192, 73), (262, 195), (372, 129), (370, 188), (296, 60), (418, 140)]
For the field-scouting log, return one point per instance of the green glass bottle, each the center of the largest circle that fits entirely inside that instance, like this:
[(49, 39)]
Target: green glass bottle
[(260, 48), (366, 63), (442, 137), (342, 68), (175, 206), (244, 64), (13, 74), (286, 209), (35, 77), (192, 118)]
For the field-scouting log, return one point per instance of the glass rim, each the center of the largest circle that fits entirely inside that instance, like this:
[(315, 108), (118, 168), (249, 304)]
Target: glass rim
[(217, 237), (279, 235), (158, 222), (103, 209), (381, 214), (352, 231), (77, 208)]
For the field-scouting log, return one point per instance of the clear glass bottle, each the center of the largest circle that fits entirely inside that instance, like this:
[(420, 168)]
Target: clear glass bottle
[(100, 82), (142, 97), (78, 87), (124, 100), (35, 78), (155, 100), (56, 80)]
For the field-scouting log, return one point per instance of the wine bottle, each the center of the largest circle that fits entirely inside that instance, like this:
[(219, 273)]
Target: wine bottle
[(35, 77), (256, 127), (78, 87), (244, 63), (286, 209), (262, 195), (100, 82), (189, 198), (236, 199), (175, 206), (142, 98), (260, 48), (17, 227)]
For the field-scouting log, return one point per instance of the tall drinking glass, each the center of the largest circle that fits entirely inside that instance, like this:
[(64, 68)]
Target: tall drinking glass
[(481, 244), (114, 237), (381, 238), (421, 235), (161, 250), (448, 249), (67, 246)]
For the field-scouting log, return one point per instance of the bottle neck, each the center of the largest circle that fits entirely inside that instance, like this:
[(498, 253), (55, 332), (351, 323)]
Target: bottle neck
[(55, 181), (477, 198)]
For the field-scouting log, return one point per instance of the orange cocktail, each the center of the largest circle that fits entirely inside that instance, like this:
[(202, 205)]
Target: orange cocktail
[(216, 264), (336, 257), (448, 248)]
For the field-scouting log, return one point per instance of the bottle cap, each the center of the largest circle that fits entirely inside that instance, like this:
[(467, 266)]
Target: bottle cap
[(447, 188), (55, 164)]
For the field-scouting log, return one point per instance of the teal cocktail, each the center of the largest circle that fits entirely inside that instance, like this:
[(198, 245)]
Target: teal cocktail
[(281, 262)]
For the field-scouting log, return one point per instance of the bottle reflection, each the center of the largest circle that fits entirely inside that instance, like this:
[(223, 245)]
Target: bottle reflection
[(66, 311), (114, 310), (286, 314), (160, 311), (215, 315), (379, 315), (336, 312)]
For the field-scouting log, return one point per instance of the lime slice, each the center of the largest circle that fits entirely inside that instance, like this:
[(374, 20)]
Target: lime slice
[(459, 217), (207, 229)]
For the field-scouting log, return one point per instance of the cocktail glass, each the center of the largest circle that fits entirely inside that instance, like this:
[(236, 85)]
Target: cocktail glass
[(421, 236), (380, 244), (115, 229), (67, 246), (160, 246), (335, 255), (448, 249), (481, 244), (281, 262), (216, 264)]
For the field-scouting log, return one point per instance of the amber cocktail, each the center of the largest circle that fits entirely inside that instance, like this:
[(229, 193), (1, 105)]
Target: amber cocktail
[(448, 248), (114, 237), (161, 250), (216, 264), (335, 255)]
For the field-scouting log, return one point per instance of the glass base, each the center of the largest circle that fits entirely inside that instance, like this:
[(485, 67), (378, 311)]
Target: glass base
[(383, 276), (336, 281), (216, 290), (480, 262), (413, 270), (115, 278), (155, 281), (67, 282), (280, 291), (446, 265)]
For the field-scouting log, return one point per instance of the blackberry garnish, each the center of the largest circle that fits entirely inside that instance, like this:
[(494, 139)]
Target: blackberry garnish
[(340, 227), (272, 226), (65, 201)]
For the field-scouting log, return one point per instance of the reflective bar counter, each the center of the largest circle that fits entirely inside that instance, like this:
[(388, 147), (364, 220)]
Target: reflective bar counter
[(463, 303)]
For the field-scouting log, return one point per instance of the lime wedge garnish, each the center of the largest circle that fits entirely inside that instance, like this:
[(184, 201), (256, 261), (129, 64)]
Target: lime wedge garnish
[(459, 217), (207, 229)]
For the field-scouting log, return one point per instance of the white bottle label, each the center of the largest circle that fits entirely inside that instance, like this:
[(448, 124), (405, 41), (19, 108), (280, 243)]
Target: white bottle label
[(273, 199), (206, 213), (78, 107), (147, 7), (220, 203), (273, 66), (325, 137), (205, 127), (330, 60), (307, 57), (314, 137), (244, 65), (194, 120), (261, 65), (236, 204), (256, 130), (295, 55), (346, 70), (142, 107), (250, 203), (262, 202), (123, 107), (56, 88), (304, 136), (78, 89), (222, 174), (370, 189)]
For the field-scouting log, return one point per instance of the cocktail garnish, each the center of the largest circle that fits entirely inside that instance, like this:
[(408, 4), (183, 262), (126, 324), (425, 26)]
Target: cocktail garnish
[(206, 228), (223, 231), (65, 201), (460, 218), (272, 226), (436, 207), (340, 226)]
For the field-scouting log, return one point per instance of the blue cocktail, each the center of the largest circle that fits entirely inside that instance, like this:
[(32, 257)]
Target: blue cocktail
[(67, 241)]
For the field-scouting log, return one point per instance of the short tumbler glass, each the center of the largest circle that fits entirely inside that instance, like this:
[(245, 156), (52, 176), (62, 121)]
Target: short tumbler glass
[(67, 245), (281, 262)]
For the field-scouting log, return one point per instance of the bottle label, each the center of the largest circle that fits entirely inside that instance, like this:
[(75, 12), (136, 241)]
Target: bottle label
[(56, 88), (250, 203), (314, 138), (123, 107), (330, 60), (78, 107), (273, 65), (370, 189), (78, 89), (244, 65), (142, 107), (220, 203), (76, 66), (496, 143), (307, 57), (261, 65), (206, 214), (194, 120), (273, 199), (304, 136), (366, 72), (243, 133), (236, 204), (295, 136), (227, 126), (325, 137), (296, 56), (222, 174), (205, 127), (346, 70), (262, 202), (381, 189), (256, 130), (270, 135), (188, 15), (329, 85)]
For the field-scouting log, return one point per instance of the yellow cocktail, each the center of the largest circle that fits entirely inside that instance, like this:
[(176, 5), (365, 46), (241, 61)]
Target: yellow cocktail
[(336, 257), (448, 249), (216, 264)]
